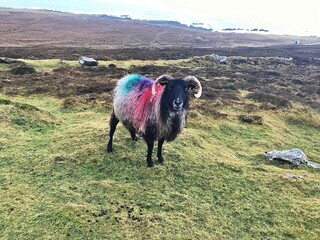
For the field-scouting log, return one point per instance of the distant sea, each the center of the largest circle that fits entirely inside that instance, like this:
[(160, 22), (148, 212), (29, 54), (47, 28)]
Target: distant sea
[(148, 12)]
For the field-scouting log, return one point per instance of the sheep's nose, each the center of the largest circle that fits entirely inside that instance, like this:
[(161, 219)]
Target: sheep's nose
[(178, 101), (177, 104)]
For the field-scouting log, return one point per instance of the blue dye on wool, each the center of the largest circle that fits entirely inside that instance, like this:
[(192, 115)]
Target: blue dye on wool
[(133, 80)]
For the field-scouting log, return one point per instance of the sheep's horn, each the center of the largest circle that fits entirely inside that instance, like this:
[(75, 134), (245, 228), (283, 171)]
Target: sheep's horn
[(196, 83), (162, 78)]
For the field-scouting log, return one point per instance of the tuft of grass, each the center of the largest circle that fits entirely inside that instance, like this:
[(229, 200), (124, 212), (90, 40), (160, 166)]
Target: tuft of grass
[(50, 64), (23, 114)]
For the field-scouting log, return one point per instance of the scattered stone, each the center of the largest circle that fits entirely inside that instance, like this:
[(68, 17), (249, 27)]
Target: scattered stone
[(6, 60), (290, 175), (290, 59), (295, 156), (220, 59), (6, 81), (87, 61), (313, 164), (224, 61)]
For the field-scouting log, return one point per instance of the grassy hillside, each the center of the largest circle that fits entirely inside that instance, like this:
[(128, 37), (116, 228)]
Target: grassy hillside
[(57, 182)]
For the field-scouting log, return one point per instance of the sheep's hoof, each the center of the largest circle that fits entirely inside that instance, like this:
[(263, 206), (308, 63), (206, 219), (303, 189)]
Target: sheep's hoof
[(150, 165), (134, 136), (109, 149), (160, 159)]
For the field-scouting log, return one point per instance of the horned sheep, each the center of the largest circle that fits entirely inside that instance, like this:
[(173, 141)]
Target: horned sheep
[(156, 110)]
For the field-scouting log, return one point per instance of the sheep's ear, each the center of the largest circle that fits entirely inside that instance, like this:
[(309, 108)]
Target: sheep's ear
[(164, 83), (191, 86), (163, 80), (193, 81)]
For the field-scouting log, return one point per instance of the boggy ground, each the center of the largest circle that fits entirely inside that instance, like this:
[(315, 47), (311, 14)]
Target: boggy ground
[(167, 53), (275, 82)]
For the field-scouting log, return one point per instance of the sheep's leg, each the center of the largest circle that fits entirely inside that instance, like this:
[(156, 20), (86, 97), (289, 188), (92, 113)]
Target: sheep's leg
[(159, 153), (132, 130), (113, 124), (150, 144), (133, 134)]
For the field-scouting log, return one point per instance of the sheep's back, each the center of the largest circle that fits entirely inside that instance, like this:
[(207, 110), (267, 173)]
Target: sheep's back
[(133, 101)]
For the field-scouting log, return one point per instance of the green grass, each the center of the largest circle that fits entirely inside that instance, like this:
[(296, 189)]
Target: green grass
[(49, 64), (57, 182)]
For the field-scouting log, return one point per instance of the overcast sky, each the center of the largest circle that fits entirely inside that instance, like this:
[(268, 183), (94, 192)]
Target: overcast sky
[(280, 15)]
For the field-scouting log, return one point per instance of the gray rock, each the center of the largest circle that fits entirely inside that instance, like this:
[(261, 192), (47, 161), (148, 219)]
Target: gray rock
[(87, 61), (314, 165), (223, 61), (220, 59), (290, 175), (6, 60), (295, 156)]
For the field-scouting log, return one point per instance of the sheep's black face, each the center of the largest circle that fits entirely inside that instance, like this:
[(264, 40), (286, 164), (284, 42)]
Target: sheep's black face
[(176, 96)]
